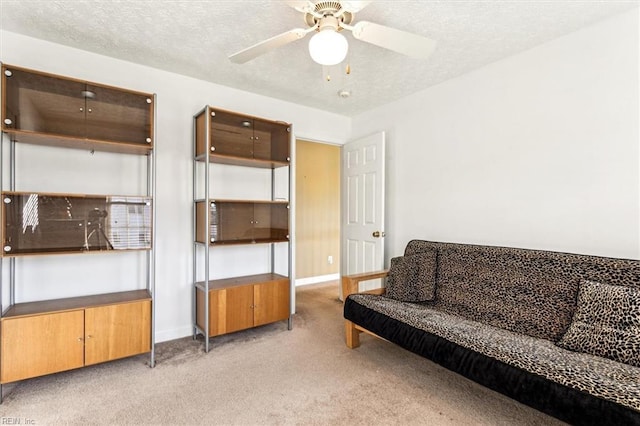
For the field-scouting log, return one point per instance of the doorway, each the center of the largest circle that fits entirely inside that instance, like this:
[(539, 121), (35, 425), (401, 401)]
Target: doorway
[(317, 257)]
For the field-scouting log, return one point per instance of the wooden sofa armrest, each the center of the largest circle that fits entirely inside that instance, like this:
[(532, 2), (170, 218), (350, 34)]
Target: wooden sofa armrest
[(350, 286), (350, 282)]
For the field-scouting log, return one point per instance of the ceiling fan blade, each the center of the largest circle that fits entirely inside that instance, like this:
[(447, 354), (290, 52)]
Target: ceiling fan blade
[(304, 6), (264, 46), (409, 44), (355, 5)]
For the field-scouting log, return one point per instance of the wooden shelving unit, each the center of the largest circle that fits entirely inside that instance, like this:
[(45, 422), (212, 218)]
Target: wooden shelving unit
[(230, 304), (48, 336)]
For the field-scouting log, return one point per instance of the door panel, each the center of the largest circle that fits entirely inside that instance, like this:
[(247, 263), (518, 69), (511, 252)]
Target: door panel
[(42, 344), (353, 199), (370, 199)]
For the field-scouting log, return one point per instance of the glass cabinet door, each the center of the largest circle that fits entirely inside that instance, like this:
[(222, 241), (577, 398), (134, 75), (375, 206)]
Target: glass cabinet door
[(231, 134), (43, 103), (231, 222), (47, 223), (271, 222), (246, 222), (118, 115), (271, 141), (262, 140)]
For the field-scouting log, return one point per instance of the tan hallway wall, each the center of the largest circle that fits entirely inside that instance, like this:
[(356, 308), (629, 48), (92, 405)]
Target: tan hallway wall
[(317, 209)]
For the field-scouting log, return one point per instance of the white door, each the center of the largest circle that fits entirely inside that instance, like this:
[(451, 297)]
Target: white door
[(363, 206)]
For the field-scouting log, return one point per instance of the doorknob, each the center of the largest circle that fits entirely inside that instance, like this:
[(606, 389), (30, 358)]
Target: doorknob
[(378, 234)]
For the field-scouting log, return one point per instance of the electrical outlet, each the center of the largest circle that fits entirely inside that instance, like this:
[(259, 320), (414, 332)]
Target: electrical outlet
[(330, 260)]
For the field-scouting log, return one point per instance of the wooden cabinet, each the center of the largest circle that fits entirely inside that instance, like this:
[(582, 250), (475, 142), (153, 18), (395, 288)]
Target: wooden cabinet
[(47, 337), (224, 138), (243, 302), (48, 109)]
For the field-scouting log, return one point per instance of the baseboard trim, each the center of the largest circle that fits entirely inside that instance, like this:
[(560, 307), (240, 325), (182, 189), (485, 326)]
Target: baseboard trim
[(318, 279), (176, 333)]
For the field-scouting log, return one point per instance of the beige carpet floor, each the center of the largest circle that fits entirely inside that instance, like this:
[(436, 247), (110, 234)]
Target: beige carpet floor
[(268, 375)]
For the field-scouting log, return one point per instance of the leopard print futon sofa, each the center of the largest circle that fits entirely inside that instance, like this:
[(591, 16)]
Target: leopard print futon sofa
[(559, 332)]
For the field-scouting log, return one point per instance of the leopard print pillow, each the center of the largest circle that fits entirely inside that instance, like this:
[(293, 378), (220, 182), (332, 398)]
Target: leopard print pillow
[(606, 323), (413, 278)]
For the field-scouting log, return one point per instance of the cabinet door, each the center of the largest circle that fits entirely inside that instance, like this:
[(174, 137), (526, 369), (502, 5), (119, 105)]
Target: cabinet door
[(271, 302), (36, 223), (237, 308), (271, 222), (42, 344), (117, 331), (230, 309), (43, 103), (232, 222), (118, 115), (271, 141), (262, 140), (231, 134)]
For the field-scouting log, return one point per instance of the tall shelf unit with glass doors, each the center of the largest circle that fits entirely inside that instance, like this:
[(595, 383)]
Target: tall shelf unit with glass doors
[(43, 335), (225, 304)]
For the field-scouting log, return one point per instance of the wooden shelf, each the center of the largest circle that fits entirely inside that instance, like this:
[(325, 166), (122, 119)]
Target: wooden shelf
[(74, 303), (242, 161), (240, 281), (44, 139)]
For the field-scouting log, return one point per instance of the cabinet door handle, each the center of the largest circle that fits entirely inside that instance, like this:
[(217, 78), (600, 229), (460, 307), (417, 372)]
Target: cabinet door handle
[(80, 339), (89, 337)]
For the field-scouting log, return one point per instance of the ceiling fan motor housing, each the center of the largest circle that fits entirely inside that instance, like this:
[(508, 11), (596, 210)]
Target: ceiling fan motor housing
[(328, 14)]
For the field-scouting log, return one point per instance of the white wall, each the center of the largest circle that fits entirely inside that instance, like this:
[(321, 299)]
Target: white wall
[(539, 150), (178, 99)]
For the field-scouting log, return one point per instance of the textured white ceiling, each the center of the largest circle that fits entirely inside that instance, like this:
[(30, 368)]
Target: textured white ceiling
[(194, 38)]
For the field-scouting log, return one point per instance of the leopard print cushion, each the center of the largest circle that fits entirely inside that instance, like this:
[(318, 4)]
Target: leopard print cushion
[(524, 294), (413, 278), (595, 375), (606, 323)]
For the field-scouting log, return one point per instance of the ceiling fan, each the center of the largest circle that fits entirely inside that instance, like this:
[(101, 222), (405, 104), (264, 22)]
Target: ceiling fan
[(328, 46)]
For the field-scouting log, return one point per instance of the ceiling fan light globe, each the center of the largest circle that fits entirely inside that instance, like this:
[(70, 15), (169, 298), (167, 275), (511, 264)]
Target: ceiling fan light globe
[(328, 47)]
